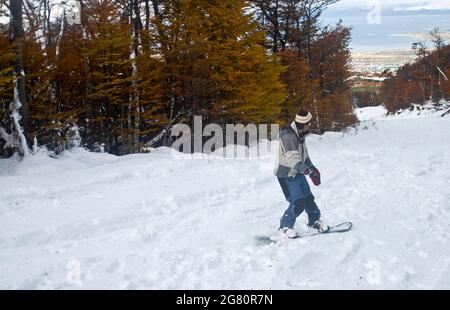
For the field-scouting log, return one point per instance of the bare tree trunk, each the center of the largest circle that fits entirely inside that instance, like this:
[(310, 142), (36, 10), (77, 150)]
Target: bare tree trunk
[(89, 84), (147, 15), (20, 100), (310, 66), (312, 9), (133, 115), (137, 46), (169, 60), (48, 32)]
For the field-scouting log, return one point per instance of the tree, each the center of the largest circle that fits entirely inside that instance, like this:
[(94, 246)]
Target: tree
[(245, 84), (6, 90), (215, 63), (111, 96), (18, 37), (125, 71), (438, 42), (298, 87), (293, 25), (418, 82), (332, 64), (18, 108), (269, 15)]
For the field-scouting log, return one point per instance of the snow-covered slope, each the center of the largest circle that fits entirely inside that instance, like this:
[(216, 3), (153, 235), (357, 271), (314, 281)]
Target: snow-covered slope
[(158, 222), (370, 113)]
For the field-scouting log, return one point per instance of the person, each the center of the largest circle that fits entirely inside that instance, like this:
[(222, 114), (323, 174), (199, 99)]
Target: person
[(292, 168)]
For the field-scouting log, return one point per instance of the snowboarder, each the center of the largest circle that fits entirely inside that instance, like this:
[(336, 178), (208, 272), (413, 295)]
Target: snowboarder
[(292, 167)]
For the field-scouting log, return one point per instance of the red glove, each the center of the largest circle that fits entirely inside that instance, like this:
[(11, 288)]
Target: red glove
[(314, 175)]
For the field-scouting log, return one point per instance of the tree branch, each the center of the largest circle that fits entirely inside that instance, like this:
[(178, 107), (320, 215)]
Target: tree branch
[(7, 137), (163, 132), (6, 4)]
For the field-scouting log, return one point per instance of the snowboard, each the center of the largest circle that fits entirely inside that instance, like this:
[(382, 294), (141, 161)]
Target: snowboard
[(339, 228)]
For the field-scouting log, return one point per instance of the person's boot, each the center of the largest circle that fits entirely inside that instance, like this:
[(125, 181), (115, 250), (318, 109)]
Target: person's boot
[(287, 232), (320, 226)]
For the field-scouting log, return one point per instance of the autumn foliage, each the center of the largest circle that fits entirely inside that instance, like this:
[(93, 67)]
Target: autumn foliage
[(424, 80), (128, 70)]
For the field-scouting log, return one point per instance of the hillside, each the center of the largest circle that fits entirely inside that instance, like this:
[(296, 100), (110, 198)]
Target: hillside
[(155, 221)]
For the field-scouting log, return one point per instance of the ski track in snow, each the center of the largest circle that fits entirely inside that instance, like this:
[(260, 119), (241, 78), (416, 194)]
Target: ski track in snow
[(153, 222)]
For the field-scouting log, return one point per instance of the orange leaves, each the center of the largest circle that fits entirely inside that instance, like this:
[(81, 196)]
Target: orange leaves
[(326, 89), (419, 81), (217, 65)]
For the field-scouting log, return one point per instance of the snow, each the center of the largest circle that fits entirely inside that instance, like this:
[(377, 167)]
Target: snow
[(426, 110), (374, 78), (429, 109), (158, 221), (61, 32), (370, 113), (369, 78), (442, 73), (15, 115)]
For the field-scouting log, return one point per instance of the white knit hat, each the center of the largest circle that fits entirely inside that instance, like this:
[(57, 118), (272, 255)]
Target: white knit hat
[(303, 119)]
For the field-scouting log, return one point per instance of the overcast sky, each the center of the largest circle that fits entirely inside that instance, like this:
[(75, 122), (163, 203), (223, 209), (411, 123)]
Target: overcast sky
[(396, 4)]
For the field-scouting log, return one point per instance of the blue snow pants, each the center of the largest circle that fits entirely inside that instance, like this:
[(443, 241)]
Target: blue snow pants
[(298, 194)]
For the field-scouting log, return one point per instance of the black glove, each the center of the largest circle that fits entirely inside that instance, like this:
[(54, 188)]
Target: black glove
[(314, 175)]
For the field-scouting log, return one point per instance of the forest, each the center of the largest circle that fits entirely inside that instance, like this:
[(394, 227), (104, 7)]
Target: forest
[(425, 80), (115, 75)]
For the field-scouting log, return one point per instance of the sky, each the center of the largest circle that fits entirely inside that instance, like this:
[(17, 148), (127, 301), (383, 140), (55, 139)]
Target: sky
[(395, 4), (390, 25), (379, 25)]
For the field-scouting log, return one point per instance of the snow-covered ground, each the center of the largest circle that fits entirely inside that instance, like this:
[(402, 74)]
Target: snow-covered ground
[(154, 221), (370, 113)]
